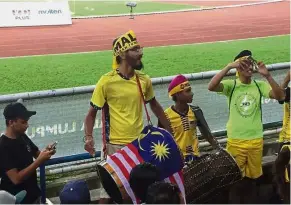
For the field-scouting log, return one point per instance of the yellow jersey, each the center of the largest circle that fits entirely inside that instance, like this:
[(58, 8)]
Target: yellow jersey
[(287, 174), (122, 98), (184, 130), (285, 132)]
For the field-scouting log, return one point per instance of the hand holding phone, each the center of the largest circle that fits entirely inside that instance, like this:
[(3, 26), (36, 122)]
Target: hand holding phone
[(53, 146), (254, 63)]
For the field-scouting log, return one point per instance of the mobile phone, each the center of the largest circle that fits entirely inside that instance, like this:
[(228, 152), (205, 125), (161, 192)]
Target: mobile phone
[(254, 62), (54, 145)]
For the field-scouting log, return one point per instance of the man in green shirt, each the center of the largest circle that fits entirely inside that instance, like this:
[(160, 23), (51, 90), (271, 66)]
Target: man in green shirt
[(244, 126)]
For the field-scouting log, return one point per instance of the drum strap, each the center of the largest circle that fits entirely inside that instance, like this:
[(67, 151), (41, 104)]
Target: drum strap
[(143, 100), (104, 134)]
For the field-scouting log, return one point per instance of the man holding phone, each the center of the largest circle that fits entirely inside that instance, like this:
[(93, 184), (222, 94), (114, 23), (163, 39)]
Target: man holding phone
[(17, 168), (244, 126)]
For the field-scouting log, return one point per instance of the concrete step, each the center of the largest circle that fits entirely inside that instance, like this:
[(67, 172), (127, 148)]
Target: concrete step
[(55, 187)]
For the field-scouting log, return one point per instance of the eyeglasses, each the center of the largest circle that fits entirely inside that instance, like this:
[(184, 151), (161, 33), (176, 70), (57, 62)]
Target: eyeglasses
[(137, 49)]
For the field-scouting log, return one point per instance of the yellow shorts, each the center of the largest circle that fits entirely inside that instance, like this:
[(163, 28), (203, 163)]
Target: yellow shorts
[(248, 155)]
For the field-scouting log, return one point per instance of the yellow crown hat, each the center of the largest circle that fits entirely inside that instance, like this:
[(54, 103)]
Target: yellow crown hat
[(122, 44)]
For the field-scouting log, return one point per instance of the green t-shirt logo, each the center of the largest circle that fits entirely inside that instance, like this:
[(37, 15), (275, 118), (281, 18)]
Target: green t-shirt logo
[(245, 117), (246, 105)]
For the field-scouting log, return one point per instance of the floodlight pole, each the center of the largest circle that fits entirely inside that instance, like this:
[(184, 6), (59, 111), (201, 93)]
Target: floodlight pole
[(131, 13)]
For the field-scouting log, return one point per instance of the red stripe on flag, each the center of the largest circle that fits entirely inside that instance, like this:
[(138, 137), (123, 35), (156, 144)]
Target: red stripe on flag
[(120, 165), (135, 151), (181, 177), (172, 180), (127, 158), (123, 168), (176, 181)]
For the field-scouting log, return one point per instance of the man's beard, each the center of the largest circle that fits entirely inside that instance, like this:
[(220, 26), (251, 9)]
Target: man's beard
[(138, 67)]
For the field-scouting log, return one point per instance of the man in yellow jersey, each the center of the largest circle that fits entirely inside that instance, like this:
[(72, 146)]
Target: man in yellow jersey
[(244, 126), (183, 120), (118, 94), (284, 137), (282, 173)]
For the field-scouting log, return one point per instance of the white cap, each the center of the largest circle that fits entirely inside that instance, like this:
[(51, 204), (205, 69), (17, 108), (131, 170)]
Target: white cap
[(7, 198)]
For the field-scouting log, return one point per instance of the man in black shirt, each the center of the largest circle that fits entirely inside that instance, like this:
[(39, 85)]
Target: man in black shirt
[(17, 168)]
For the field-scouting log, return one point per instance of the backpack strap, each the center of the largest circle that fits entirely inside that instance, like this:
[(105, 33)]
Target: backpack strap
[(231, 95), (260, 103)]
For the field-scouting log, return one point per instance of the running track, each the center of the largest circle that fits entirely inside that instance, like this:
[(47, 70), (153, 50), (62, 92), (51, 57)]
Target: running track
[(154, 30)]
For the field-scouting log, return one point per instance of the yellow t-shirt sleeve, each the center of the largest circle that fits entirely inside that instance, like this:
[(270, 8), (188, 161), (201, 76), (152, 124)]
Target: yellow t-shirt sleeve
[(98, 98), (227, 87), (265, 88), (149, 92)]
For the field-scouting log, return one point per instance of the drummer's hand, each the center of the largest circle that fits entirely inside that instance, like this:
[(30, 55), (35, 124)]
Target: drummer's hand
[(218, 146), (104, 153), (89, 145)]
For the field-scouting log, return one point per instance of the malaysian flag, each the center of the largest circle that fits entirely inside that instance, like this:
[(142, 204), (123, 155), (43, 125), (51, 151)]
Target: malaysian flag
[(157, 147)]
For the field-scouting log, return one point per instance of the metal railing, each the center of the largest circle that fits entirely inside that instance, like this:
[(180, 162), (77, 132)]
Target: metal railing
[(90, 88), (61, 113)]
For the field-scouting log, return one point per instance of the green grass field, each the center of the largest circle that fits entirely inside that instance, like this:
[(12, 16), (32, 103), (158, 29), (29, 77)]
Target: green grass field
[(88, 8), (71, 70)]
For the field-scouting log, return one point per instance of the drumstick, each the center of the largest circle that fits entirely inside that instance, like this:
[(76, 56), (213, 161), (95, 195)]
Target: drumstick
[(203, 127)]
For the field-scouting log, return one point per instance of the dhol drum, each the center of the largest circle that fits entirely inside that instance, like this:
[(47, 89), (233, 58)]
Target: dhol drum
[(156, 146), (112, 183), (210, 175)]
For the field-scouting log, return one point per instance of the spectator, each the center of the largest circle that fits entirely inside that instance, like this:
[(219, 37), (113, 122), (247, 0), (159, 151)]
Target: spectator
[(75, 192), (184, 119), (282, 173), (17, 168), (141, 177), (284, 137), (163, 193), (245, 126), (119, 96)]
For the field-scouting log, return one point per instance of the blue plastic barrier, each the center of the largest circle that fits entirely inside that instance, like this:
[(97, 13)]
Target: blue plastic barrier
[(59, 160)]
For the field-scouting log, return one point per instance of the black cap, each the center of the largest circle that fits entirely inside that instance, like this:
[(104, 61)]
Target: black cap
[(243, 54), (17, 110)]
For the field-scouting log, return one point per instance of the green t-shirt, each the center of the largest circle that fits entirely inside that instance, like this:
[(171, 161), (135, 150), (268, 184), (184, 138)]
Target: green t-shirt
[(244, 120)]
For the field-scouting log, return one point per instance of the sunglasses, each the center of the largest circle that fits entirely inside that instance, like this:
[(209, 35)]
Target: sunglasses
[(137, 49)]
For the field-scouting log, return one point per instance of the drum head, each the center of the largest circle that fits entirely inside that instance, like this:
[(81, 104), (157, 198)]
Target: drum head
[(109, 185)]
